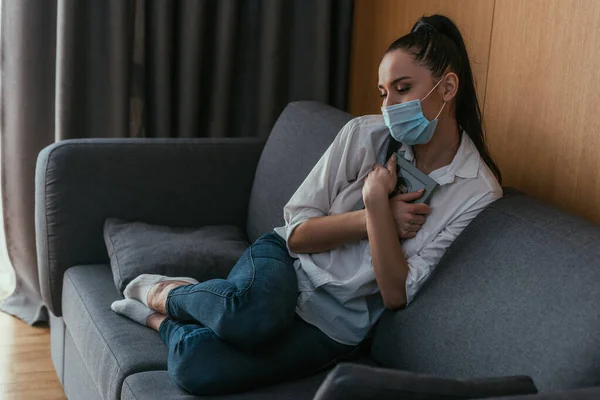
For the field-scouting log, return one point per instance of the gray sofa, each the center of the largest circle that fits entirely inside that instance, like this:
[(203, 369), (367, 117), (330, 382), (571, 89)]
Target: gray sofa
[(517, 293)]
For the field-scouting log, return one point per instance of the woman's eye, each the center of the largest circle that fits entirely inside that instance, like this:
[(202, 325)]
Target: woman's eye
[(403, 90), (383, 95)]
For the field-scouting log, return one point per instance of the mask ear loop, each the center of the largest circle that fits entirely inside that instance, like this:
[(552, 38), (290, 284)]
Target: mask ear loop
[(441, 109), (432, 89)]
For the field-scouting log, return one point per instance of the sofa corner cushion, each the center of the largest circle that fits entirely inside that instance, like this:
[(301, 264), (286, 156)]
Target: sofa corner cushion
[(298, 139)]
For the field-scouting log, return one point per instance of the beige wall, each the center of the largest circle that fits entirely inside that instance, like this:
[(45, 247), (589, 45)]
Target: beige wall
[(536, 65)]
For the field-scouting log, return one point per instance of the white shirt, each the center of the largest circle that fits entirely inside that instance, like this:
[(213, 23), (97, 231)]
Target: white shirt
[(338, 292)]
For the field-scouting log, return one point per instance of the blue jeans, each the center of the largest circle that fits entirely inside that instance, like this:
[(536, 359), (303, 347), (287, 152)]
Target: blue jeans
[(240, 333)]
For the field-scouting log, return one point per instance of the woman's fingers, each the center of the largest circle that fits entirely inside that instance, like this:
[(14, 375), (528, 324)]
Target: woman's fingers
[(412, 228), (419, 208), (418, 219), (408, 197), (408, 234), (413, 219), (383, 174), (391, 164)]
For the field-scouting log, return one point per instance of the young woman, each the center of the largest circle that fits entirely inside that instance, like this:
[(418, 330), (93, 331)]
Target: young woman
[(305, 296)]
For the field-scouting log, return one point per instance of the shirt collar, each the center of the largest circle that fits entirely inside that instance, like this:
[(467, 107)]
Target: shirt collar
[(464, 165)]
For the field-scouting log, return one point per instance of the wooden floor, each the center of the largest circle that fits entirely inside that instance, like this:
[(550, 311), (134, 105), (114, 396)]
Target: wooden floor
[(26, 371)]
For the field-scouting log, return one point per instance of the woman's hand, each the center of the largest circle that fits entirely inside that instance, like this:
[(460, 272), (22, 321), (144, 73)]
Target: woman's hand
[(378, 185), (380, 182), (409, 218)]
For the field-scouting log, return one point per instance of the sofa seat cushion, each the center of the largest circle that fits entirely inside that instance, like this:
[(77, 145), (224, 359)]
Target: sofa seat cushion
[(158, 385), (111, 346)]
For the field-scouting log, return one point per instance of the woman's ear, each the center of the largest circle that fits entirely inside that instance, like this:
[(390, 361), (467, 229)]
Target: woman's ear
[(450, 86)]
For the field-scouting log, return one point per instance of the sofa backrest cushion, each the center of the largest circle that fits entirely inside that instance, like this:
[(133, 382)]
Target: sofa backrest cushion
[(517, 293), (299, 138)]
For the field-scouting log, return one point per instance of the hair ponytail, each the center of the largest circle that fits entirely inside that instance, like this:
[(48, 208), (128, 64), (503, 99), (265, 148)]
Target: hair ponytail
[(436, 43)]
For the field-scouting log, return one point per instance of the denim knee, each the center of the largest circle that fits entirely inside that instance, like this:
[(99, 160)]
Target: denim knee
[(267, 307), (199, 375), (256, 322), (187, 377), (191, 368)]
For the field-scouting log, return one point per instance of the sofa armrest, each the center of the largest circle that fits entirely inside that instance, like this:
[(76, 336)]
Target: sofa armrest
[(349, 381), (175, 182)]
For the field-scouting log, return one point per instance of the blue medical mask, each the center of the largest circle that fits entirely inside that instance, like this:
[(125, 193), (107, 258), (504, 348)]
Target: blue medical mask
[(406, 121)]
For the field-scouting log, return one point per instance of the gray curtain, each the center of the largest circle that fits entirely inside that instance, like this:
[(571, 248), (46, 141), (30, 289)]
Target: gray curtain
[(144, 68)]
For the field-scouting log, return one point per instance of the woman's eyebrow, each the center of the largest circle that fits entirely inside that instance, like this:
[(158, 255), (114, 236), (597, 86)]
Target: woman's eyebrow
[(395, 81)]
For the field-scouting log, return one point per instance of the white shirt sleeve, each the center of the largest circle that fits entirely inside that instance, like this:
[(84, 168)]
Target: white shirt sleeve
[(424, 262), (332, 173)]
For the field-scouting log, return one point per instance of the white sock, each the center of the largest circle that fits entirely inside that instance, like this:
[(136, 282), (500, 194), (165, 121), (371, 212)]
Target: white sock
[(139, 287), (132, 309)]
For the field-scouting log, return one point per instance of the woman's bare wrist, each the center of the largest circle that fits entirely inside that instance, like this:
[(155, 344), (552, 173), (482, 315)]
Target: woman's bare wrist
[(375, 197)]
